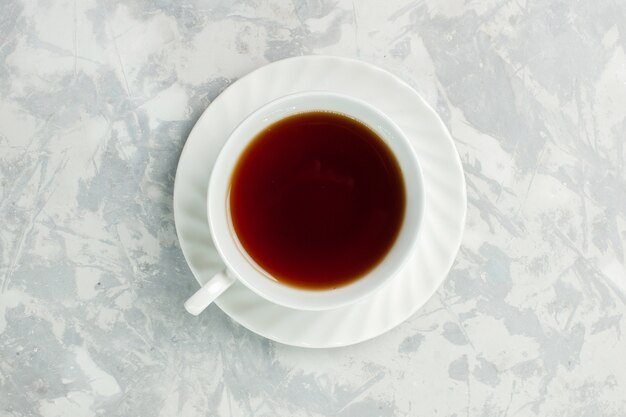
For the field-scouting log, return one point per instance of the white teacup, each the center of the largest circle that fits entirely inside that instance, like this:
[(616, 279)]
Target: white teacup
[(239, 265)]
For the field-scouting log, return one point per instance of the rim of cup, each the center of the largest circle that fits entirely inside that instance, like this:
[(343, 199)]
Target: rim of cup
[(241, 265)]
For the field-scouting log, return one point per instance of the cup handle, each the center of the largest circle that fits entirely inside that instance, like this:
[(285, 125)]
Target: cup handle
[(208, 292)]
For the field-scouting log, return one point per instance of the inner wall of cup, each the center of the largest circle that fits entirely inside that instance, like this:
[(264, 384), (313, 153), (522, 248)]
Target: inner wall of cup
[(382, 135)]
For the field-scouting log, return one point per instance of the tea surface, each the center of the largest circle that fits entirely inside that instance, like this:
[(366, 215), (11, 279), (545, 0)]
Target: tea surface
[(317, 200)]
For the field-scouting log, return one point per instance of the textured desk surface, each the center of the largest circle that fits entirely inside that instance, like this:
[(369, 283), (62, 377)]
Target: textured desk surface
[(96, 101)]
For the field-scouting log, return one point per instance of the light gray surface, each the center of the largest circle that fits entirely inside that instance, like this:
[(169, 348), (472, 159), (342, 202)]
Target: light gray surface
[(96, 101)]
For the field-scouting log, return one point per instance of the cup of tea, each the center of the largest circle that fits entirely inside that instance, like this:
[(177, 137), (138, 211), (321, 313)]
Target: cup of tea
[(314, 202)]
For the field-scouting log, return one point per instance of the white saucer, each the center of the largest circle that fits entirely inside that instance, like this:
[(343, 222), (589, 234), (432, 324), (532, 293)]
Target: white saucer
[(444, 210)]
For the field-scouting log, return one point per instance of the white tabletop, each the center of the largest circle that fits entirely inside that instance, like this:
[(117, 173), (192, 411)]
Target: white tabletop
[(96, 101)]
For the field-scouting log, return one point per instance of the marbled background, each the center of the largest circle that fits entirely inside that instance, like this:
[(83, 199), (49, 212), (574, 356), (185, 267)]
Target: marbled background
[(96, 101)]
